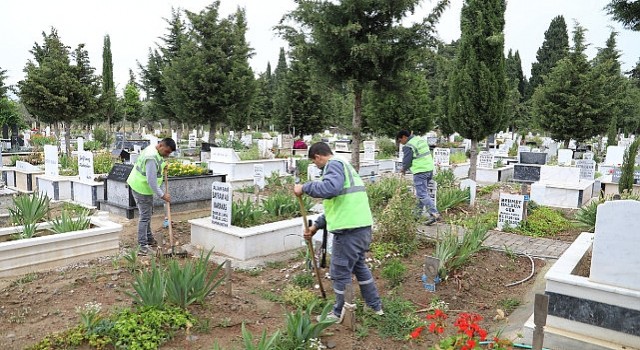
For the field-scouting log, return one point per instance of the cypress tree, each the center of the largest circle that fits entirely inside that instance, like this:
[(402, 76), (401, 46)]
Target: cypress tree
[(478, 84), (108, 98), (628, 167)]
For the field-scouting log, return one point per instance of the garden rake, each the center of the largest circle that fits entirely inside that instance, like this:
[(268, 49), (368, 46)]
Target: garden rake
[(303, 212), (170, 226)]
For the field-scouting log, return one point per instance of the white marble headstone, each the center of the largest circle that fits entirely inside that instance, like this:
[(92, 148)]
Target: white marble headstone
[(559, 174), (565, 156), (224, 155), (615, 155), (587, 168), (369, 150), (472, 186), (51, 160), (258, 175), (615, 259), (441, 156), (247, 140), (85, 166), (510, 210), (221, 198), (485, 160)]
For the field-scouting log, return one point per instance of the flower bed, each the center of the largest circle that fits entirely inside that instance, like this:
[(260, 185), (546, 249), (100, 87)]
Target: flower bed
[(47, 252)]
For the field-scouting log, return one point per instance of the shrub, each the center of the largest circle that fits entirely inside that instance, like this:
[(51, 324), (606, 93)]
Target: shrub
[(103, 162), (444, 178), (382, 191), (625, 184), (101, 135), (386, 148), (297, 296), (542, 222), (397, 223)]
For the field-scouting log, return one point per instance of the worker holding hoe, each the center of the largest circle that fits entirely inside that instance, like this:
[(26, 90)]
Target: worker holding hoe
[(348, 217)]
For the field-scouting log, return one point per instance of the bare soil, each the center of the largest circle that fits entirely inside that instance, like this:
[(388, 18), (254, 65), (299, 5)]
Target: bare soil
[(38, 304)]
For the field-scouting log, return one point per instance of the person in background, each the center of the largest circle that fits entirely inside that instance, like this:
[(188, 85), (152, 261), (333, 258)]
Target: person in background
[(348, 217), (145, 180), (418, 159)]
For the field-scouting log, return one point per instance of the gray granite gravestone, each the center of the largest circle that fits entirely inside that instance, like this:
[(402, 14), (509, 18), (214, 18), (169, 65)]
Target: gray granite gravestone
[(533, 158), (526, 172)]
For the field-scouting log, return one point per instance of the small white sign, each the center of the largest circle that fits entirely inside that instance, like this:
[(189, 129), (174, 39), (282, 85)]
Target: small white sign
[(192, 141), (369, 150), (221, 198), (85, 166), (510, 210), (80, 143), (485, 160), (472, 186), (174, 136), (441, 156), (287, 141), (51, 160), (258, 175)]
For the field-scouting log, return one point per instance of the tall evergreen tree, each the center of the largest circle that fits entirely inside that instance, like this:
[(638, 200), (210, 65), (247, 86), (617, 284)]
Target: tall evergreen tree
[(625, 11), (108, 99), (210, 80), (359, 42), (554, 47), (131, 104), (569, 103), (444, 64), (407, 106), (304, 99), (158, 60), (280, 107), (612, 84), (478, 83), (263, 102), (515, 106), (3, 87), (56, 90)]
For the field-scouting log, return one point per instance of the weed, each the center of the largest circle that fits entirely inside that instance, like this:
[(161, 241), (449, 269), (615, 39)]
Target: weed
[(270, 296), (399, 315), (225, 322), (252, 271), (300, 329), (131, 257), (542, 222), (303, 280), (275, 264), (394, 271), (65, 223), (445, 179), (510, 253), (451, 197), (30, 277), (298, 297), (263, 343), (509, 304)]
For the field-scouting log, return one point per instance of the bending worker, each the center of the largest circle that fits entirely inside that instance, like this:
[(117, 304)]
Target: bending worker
[(349, 219), (145, 180)]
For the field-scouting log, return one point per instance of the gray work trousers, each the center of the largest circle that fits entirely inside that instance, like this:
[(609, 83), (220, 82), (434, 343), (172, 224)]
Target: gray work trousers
[(347, 258), (145, 210)]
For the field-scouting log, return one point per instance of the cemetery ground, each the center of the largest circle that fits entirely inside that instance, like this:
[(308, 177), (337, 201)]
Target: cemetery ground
[(38, 304)]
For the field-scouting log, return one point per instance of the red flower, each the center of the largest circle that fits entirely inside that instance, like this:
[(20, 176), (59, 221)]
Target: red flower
[(416, 332), (471, 343), (440, 330)]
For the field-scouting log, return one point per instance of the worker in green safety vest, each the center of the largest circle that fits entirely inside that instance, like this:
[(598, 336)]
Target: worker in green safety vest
[(348, 217), (145, 180), (416, 157)]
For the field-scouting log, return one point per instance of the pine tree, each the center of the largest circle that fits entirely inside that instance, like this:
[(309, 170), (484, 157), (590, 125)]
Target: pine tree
[(357, 42), (569, 103), (554, 47), (627, 12), (478, 84)]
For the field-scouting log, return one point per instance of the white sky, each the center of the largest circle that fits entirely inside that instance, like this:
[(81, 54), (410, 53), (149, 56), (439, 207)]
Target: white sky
[(135, 25)]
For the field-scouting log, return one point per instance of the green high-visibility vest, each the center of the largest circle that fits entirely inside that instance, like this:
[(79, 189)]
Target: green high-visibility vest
[(422, 159), (349, 209), (137, 179)]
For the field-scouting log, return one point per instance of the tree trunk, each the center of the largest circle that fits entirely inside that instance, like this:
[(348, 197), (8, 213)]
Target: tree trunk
[(212, 131), (67, 138), (473, 159), (357, 127)]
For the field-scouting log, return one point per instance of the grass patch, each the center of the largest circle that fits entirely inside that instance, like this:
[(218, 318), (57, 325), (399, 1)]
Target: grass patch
[(542, 222), (398, 320), (509, 304)]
